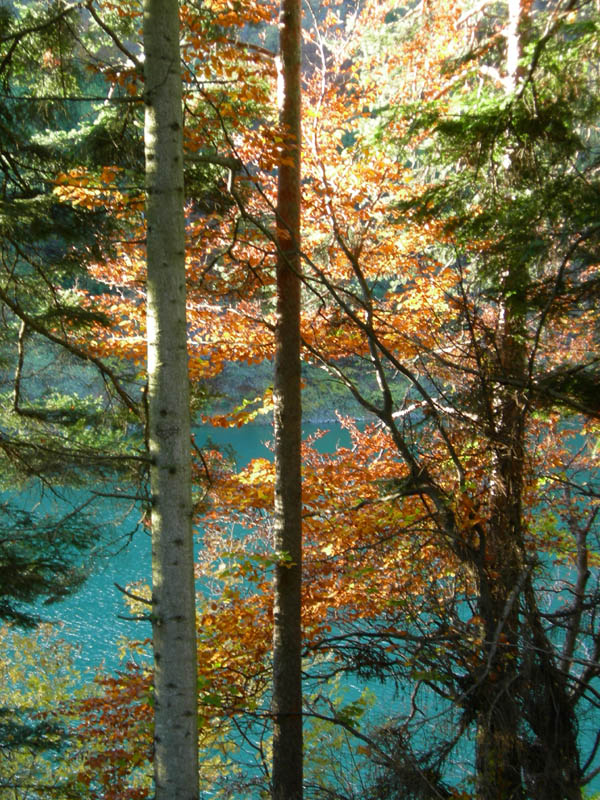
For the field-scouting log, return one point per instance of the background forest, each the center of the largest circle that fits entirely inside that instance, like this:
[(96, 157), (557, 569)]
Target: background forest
[(448, 266)]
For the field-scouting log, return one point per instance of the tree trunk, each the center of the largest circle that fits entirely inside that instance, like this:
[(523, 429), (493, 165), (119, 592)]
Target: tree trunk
[(173, 593), (526, 730), (287, 682), (502, 556), (502, 578)]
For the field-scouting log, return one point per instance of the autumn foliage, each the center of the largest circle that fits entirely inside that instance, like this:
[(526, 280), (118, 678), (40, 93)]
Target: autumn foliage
[(449, 285)]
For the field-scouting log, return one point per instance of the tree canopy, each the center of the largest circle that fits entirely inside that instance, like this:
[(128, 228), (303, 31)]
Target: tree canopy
[(448, 267)]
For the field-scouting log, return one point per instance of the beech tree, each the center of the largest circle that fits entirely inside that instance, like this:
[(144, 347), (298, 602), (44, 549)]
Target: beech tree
[(482, 391), (430, 283)]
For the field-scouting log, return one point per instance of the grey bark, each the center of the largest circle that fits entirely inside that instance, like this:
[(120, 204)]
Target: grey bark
[(173, 594)]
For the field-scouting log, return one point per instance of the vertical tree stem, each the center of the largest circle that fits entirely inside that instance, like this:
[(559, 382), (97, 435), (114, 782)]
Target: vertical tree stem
[(173, 595), (287, 684)]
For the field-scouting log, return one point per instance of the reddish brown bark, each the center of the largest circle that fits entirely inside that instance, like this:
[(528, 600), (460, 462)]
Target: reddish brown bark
[(287, 684)]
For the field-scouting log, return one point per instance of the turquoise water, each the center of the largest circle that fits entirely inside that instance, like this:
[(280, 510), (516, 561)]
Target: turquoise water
[(92, 618)]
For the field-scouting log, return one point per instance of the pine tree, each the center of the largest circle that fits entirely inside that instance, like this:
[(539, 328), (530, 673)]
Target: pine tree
[(45, 422)]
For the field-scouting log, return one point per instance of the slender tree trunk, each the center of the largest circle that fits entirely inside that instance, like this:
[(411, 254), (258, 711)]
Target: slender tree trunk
[(173, 595), (287, 682)]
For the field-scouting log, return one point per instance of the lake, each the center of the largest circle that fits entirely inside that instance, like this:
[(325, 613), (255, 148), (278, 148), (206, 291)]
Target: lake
[(92, 617)]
